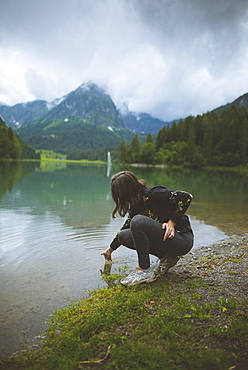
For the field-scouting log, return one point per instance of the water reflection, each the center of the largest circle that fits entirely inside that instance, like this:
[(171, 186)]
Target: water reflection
[(80, 196), (220, 198), (11, 172)]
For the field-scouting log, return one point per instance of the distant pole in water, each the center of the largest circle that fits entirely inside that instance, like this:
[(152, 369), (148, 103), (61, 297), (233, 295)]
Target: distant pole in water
[(109, 164), (109, 158)]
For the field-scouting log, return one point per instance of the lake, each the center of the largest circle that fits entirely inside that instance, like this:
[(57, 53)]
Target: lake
[(55, 220)]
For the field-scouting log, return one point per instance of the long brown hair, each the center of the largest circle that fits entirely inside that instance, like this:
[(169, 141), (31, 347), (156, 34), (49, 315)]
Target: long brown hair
[(125, 188)]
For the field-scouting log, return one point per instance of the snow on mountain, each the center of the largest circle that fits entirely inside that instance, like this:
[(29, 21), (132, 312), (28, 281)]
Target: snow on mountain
[(55, 102)]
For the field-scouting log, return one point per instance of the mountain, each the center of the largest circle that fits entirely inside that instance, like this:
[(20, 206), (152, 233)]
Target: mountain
[(12, 146), (87, 103), (23, 114), (84, 119), (143, 123), (242, 101)]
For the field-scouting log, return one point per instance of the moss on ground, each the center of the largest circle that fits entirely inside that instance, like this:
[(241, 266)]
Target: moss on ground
[(194, 317)]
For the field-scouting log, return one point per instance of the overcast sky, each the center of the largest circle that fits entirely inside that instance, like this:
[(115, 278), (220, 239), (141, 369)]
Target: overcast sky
[(169, 58)]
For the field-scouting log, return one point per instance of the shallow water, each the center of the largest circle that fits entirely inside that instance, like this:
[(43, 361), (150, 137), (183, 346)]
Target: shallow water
[(55, 221)]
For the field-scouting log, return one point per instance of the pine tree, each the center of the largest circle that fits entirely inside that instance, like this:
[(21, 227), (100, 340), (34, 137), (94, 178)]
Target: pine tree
[(149, 138), (123, 152), (135, 148), (148, 153), (191, 141), (162, 138), (207, 145), (174, 132)]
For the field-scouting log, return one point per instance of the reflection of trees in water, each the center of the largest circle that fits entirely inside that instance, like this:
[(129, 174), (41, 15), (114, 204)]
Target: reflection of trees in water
[(12, 171), (98, 170), (220, 198), (80, 193), (206, 186)]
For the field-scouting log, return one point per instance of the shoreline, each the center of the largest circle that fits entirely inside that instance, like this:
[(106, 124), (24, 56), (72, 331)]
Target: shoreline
[(224, 263), (200, 303), (242, 169), (223, 266)]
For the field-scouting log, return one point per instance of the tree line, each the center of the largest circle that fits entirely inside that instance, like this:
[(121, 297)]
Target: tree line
[(12, 146), (95, 155), (208, 139)]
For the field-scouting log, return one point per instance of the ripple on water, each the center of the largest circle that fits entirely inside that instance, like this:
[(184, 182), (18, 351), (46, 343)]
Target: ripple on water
[(45, 264)]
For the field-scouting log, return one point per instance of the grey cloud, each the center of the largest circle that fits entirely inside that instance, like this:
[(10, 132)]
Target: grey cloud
[(168, 57), (191, 22)]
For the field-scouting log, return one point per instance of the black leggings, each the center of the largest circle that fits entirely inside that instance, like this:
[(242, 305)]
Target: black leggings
[(146, 236)]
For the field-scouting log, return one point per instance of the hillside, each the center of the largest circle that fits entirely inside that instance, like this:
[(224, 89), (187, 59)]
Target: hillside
[(89, 104), (23, 114), (85, 119), (13, 147), (143, 123), (242, 101), (79, 103)]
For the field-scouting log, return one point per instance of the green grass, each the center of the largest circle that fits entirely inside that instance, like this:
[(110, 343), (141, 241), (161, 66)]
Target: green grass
[(164, 325), (49, 155)]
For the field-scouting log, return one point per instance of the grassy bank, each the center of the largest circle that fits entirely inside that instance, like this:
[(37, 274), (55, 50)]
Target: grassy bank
[(50, 156), (181, 321)]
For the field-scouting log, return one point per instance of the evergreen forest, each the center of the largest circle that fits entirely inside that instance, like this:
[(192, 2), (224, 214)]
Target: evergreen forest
[(210, 139), (12, 146), (206, 140)]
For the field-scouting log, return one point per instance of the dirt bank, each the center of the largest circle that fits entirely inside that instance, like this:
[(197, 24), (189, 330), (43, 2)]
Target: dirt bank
[(223, 265)]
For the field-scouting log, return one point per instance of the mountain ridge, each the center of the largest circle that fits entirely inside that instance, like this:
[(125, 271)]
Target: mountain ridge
[(88, 103), (241, 101), (84, 119), (23, 114), (131, 119)]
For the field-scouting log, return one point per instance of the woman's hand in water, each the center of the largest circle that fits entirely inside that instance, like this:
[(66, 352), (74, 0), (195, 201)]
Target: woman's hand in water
[(107, 254), (169, 229)]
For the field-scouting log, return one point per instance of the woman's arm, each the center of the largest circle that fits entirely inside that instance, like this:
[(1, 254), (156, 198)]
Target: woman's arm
[(107, 254), (115, 242), (180, 201)]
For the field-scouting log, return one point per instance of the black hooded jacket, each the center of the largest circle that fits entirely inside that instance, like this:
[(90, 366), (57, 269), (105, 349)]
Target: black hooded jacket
[(162, 205)]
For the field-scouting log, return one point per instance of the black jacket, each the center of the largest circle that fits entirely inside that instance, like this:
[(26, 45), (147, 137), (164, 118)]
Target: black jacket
[(162, 205)]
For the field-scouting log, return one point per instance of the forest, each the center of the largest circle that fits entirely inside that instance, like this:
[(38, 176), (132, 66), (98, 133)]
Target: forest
[(210, 139), (12, 146), (206, 140)]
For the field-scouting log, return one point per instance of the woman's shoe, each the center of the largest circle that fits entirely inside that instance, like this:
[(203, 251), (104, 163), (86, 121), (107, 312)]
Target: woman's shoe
[(139, 276), (165, 263)]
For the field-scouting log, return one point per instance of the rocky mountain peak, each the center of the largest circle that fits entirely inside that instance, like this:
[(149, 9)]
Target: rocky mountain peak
[(89, 86)]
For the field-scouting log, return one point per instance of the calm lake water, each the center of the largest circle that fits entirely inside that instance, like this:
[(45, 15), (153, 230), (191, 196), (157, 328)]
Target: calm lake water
[(55, 220)]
